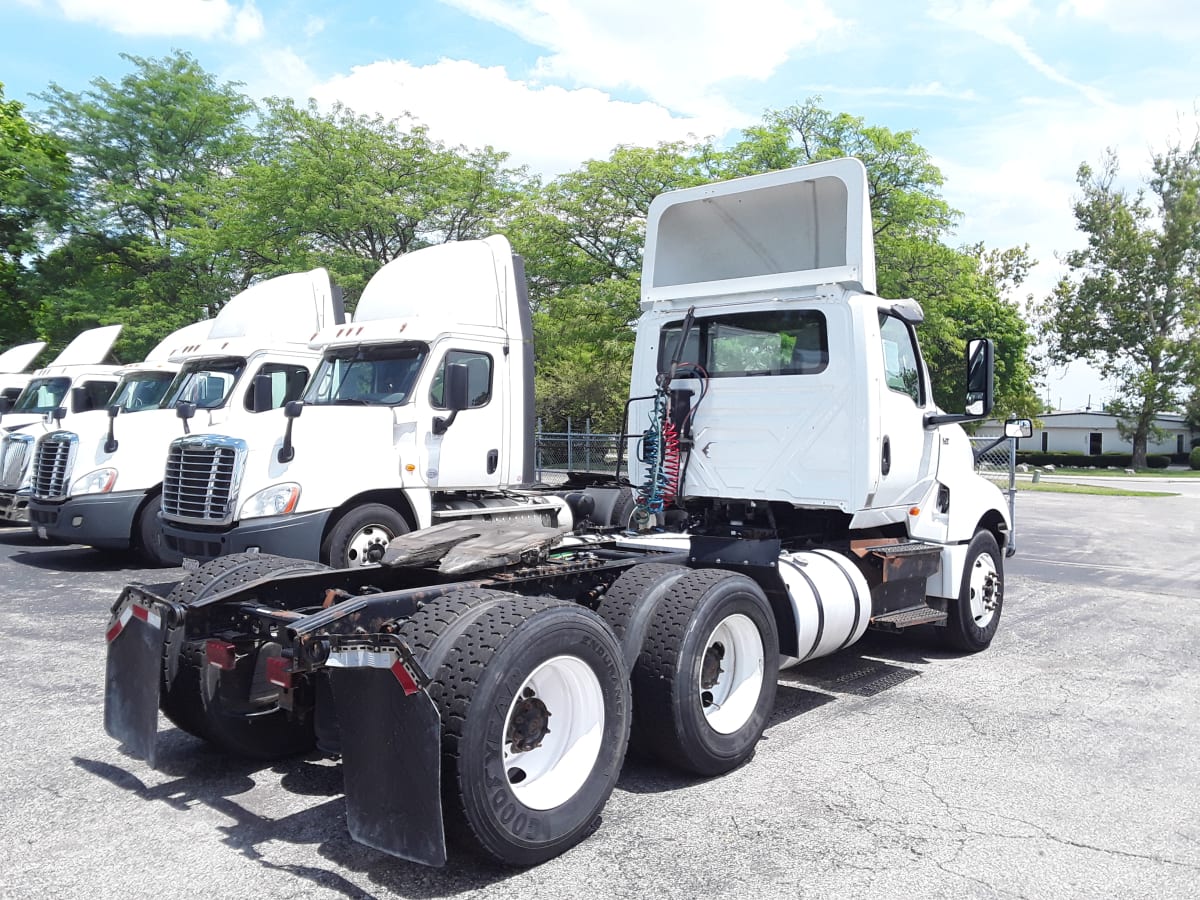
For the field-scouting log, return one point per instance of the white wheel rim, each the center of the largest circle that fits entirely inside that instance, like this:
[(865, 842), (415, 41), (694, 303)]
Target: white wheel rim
[(358, 551), (985, 590), (552, 772), (730, 700)]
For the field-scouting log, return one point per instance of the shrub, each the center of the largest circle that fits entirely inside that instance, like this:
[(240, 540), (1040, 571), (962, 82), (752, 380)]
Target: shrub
[(1157, 461), (1194, 459)]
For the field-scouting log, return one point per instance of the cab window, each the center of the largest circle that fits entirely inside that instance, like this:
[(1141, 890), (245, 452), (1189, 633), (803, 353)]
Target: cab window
[(287, 384), (772, 342), (479, 378), (901, 360)]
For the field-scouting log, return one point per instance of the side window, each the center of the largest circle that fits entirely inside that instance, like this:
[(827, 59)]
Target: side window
[(902, 371), (479, 380), (287, 384), (98, 393)]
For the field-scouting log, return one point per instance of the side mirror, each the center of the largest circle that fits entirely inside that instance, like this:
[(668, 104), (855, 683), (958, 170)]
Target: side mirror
[(6, 404), (980, 378), (58, 413), (291, 411), (1018, 428), (110, 444), (260, 399), (185, 411), (80, 402), (457, 395)]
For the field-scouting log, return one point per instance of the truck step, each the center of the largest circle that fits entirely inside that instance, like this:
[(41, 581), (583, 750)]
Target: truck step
[(906, 618), (906, 548)]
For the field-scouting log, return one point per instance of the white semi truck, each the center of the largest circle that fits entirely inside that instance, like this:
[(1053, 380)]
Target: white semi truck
[(377, 452), (99, 482), (795, 485), (13, 363), (76, 381)]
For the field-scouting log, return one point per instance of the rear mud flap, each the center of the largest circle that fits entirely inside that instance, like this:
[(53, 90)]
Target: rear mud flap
[(133, 675), (391, 743)]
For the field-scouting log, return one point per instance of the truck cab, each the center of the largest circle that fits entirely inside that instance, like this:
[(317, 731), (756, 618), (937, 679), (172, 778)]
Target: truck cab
[(76, 381), (99, 482), (375, 448)]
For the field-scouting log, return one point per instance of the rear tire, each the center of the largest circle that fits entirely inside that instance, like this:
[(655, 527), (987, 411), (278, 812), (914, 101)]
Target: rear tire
[(705, 682), (534, 702), (360, 536), (974, 616), (188, 700)]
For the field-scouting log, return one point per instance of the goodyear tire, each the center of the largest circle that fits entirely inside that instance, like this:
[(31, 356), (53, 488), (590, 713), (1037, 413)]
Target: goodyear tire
[(189, 699), (974, 616), (534, 701), (705, 682), (361, 535)]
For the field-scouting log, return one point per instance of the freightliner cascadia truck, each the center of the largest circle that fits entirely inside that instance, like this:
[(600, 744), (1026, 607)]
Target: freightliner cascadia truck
[(99, 482), (794, 485), (76, 381)]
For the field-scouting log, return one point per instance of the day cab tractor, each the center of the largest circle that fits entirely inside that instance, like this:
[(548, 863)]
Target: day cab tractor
[(792, 484)]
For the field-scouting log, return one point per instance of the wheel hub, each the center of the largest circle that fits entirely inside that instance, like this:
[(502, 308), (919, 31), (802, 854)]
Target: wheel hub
[(529, 723), (711, 669)]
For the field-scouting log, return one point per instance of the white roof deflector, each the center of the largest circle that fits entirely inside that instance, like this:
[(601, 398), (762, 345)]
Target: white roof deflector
[(175, 341), (279, 310), (89, 347), (17, 359), (810, 225)]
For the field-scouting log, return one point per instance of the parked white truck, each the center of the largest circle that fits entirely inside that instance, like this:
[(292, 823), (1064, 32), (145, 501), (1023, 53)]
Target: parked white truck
[(99, 482), (13, 363), (76, 381), (377, 452), (795, 485)]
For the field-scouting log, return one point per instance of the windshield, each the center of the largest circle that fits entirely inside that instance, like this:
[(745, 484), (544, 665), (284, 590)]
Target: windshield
[(142, 390), (42, 395), (205, 382), (368, 376)]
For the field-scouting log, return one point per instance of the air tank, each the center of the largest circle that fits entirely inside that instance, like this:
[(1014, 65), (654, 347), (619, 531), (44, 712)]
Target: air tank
[(831, 602)]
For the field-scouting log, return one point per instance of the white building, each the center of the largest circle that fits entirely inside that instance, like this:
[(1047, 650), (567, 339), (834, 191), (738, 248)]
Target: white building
[(1085, 431)]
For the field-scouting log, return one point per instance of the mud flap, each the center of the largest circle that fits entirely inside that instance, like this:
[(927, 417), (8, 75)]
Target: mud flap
[(391, 742), (133, 674)]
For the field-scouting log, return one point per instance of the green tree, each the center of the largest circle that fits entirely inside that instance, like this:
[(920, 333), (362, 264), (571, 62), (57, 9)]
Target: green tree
[(1130, 303), (33, 195), (148, 153), (352, 192)]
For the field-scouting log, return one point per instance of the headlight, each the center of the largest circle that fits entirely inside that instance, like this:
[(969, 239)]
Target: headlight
[(99, 482), (273, 501)]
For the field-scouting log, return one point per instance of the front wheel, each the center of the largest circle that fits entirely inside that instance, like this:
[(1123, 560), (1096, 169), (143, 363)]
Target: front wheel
[(361, 536), (974, 615), (148, 536)]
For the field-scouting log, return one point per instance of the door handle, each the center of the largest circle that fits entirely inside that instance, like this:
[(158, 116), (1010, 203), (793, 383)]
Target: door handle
[(493, 460), (885, 462)]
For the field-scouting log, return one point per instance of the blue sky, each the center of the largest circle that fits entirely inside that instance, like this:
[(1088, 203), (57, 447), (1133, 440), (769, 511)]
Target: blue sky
[(1008, 96)]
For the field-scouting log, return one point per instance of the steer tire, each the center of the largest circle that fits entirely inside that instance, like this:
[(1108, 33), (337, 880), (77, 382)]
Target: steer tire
[(971, 625), (492, 656), (187, 699), (712, 632), (361, 535), (148, 536)]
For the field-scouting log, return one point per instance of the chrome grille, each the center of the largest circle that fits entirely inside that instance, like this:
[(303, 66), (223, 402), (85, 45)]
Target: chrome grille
[(202, 477), (14, 460), (52, 461)]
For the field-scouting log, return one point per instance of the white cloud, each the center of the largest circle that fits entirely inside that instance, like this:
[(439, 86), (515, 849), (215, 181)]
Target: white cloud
[(1175, 20), (674, 51), (247, 24), (172, 18), (550, 128), (990, 20), (313, 26)]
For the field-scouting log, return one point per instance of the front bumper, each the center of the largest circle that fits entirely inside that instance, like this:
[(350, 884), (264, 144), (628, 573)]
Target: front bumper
[(96, 520), (14, 507), (298, 536)]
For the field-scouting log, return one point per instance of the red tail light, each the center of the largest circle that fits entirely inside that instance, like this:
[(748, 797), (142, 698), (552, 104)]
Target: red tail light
[(279, 672), (220, 654)]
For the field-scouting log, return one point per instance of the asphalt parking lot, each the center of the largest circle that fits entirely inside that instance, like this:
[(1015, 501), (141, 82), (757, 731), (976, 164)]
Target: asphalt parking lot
[(1062, 762)]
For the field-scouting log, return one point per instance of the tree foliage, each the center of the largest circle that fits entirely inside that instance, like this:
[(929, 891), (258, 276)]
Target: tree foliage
[(1131, 301), (147, 152), (33, 195)]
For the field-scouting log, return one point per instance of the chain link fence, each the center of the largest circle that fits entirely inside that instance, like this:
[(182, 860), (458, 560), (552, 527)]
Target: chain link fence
[(560, 452), (997, 462)]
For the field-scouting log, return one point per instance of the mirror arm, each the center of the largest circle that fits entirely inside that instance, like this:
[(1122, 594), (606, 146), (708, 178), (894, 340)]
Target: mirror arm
[(287, 452), (110, 445), (440, 425)]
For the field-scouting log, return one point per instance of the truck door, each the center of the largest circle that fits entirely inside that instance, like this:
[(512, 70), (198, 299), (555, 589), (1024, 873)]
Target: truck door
[(904, 453), (467, 454)]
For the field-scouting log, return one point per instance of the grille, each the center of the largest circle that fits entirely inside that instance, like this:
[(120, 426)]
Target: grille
[(202, 477), (14, 460), (52, 462)]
